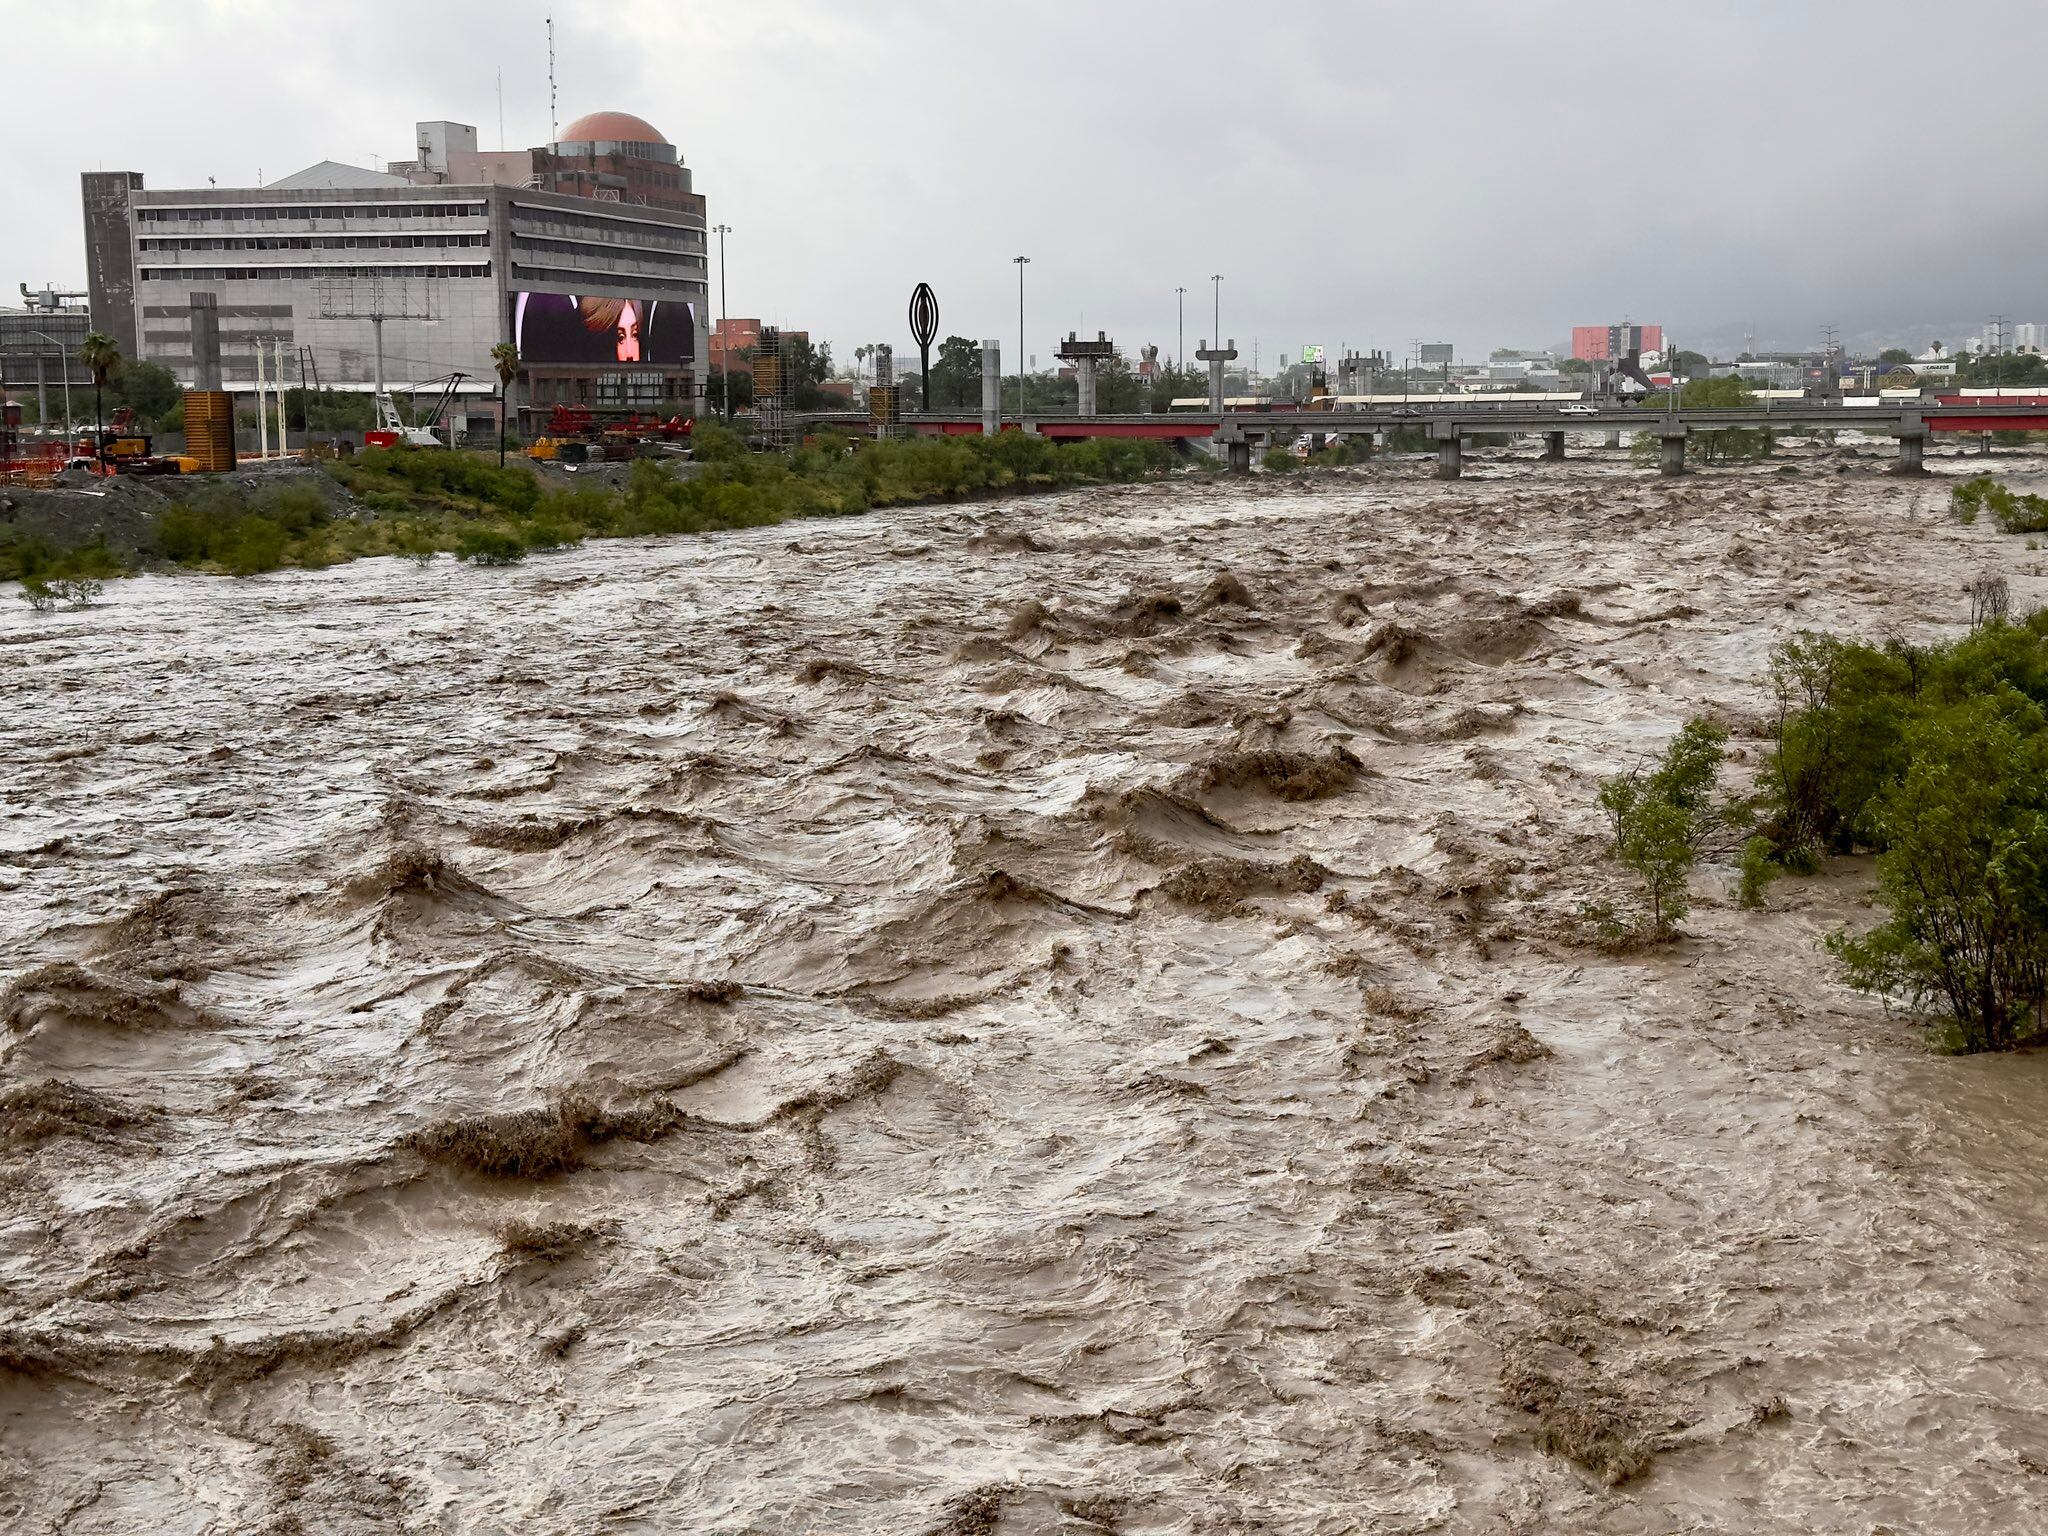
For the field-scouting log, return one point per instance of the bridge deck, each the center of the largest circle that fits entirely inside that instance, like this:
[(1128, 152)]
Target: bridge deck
[(1443, 419)]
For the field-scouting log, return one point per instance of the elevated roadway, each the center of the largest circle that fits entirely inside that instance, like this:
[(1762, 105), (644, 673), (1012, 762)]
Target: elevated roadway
[(1449, 421)]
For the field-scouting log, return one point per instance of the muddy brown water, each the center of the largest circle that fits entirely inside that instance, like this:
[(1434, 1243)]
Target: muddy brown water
[(1157, 1085)]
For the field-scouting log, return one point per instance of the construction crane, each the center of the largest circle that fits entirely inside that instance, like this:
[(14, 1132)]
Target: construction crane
[(391, 432)]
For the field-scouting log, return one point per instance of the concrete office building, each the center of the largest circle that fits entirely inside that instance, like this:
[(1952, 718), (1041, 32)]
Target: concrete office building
[(587, 254), (39, 360)]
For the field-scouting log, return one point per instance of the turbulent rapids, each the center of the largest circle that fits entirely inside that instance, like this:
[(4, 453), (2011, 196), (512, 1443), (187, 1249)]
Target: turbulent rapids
[(1054, 1016)]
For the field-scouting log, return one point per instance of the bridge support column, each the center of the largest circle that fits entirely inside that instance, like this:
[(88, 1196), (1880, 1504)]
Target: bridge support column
[(1614, 438), (1240, 456), (1553, 445), (1084, 376), (1450, 457), (991, 388), (1216, 357), (1912, 446), (1671, 452)]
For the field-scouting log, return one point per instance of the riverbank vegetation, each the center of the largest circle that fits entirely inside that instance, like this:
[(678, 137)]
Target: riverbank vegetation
[(2015, 512), (1933, 758), (402, 501)]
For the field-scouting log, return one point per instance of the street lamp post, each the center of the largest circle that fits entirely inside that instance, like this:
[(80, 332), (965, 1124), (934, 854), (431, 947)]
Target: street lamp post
[(725, 326), (1180, 346), (1216, 320), (63, 356), (1022, 263)]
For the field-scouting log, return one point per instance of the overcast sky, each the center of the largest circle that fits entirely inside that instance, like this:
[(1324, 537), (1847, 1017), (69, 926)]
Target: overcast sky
[(1361, 174)]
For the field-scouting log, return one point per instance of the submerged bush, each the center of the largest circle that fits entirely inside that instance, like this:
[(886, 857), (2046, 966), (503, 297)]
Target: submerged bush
[(484, 544), (1965, 874), (2016, 512), (1659, 819), (1936, 759)]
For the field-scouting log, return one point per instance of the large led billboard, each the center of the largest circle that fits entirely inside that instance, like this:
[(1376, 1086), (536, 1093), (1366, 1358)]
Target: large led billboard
[(587, 328)]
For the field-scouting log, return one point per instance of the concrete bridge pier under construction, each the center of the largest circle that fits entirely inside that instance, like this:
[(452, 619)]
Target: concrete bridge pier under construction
[(1216, 357)]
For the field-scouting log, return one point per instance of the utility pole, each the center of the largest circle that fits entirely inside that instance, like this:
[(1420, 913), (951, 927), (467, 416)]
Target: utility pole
[(42, 416), (1997, 332), (1180, 347), (725, 330), (262, 407), (277, 377), (1216, 320), (1022, 262)]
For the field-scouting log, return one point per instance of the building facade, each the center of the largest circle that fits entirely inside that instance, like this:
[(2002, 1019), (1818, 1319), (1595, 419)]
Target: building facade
[(355, 277), (39, 360), (1610, 343)]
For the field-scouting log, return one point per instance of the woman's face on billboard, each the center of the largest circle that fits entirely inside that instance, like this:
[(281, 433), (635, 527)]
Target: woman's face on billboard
[(629, 333)]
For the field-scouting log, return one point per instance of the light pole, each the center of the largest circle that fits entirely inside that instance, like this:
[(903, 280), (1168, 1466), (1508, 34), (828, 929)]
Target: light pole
[(1022, 263), (64, 357), (1180, 347), (1216, 320), (725, 327)]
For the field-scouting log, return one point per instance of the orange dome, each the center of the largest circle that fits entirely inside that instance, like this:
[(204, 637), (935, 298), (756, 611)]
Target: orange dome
[(613, 127)]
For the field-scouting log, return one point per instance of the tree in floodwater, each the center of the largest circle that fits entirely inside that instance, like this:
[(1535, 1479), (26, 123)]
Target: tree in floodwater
[(1660, 819), (1965, 874)]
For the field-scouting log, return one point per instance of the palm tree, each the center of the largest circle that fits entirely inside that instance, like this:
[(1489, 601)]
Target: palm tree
[(504, 358), (100, 355)]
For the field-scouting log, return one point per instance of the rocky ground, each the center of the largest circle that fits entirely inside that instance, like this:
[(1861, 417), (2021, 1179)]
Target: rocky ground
[(1056, 1016)]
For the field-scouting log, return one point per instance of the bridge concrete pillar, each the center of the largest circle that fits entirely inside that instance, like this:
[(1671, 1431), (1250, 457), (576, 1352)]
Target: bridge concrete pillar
[(1912, 447), (1614, 437), (1450, 456), (991, 388), (1553, 445), (1240, 456), (1216, 357), (1671, 452), (1084, 376)]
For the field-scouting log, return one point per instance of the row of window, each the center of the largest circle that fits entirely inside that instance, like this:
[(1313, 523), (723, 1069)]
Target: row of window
[(640, 235), (271, 211), (321, 243), (285, 274), (581, 278), (604, 255)]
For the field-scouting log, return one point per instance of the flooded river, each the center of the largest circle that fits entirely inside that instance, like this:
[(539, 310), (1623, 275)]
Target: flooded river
[(1054, 1016)]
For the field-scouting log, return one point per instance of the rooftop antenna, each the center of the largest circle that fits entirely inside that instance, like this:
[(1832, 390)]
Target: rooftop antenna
[(552, 131), (501, 108)]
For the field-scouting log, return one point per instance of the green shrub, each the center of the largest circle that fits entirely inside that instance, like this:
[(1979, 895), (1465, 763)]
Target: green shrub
[(1660, 819), (485, 544), (2016, 513), (549, 533), (1965, 875), (1758, 870), (255, 545), (38, 594), (1279, 460), (444, 475), (1936, 758)]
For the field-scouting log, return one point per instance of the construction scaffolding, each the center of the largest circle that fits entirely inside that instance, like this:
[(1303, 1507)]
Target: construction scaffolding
[(772, 389)]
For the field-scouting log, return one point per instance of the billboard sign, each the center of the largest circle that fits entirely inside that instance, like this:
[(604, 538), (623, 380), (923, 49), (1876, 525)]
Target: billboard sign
[(1311, 354), (1435, 353), (589, 328)]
